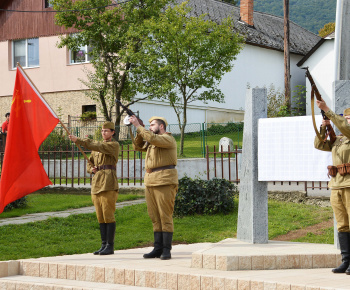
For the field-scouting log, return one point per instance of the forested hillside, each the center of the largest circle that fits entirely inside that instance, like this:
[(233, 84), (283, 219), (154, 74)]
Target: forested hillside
[(310, 14)]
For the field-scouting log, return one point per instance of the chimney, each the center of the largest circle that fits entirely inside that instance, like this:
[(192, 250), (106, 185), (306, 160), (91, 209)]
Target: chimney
[(246, 11)]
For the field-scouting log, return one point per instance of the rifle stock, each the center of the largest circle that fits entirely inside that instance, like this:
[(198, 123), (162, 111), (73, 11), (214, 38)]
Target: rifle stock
[(129, 112), (329, 129)]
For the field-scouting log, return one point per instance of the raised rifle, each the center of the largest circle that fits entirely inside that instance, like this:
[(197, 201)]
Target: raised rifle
[(130, 113), (314, 92)]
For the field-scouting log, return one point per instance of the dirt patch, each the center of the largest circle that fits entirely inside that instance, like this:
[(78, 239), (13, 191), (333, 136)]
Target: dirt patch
[(315, 229), (301, 197)]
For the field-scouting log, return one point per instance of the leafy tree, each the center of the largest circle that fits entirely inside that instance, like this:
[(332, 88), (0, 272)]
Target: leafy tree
[(184, 58), (326, 29), (104, 27)]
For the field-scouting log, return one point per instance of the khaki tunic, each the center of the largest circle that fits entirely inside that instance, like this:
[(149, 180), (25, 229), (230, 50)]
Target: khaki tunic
[(161, 151), (340, 185), (103, 153), (161, 186), (340, 149)]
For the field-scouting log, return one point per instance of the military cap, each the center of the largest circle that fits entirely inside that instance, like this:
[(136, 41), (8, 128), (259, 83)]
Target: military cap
[(158, 118), (347, 112), (108, 125)]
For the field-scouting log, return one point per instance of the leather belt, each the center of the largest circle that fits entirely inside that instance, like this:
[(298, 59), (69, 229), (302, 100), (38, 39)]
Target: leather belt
[(150, 170), (102, 167)]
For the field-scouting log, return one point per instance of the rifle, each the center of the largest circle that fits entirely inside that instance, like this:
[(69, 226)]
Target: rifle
[(314, 92), (130, 113)]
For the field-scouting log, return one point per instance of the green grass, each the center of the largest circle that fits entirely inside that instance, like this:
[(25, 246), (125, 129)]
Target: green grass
[(58, 202), (80, 233)]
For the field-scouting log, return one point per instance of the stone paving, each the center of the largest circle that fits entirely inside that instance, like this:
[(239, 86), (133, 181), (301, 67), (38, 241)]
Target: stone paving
[(28, 218)]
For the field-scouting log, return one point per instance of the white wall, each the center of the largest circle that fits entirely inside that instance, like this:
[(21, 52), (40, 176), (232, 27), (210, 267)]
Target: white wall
[(321, 67), (254, 65)]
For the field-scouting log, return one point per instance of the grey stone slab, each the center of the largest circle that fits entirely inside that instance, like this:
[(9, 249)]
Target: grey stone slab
[(252, 212)]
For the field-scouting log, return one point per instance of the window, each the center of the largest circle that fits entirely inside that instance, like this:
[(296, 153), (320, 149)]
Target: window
[(48, 4), (26, 52), (88, 108), (80, 56)]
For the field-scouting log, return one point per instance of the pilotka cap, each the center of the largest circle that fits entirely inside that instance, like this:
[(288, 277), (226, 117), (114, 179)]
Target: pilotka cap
[(108, 125), (347, 112), (158, 118)]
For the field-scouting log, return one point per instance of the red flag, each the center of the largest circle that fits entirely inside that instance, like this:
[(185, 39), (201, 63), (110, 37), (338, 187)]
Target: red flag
[(31, 121)]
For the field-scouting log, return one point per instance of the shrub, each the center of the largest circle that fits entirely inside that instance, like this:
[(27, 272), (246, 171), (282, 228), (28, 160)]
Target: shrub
[(197, 196), (19, 203), (88, 116)]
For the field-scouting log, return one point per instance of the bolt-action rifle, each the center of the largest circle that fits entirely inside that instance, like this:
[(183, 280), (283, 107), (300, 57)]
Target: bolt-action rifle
[(130, 113), (314, 92)]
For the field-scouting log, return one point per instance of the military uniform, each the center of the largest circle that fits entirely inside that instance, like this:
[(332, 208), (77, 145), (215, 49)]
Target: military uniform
[(339, 185), (104, 186), (161, 181)]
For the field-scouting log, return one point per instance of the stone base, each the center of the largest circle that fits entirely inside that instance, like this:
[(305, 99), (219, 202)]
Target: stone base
[(234, 255)]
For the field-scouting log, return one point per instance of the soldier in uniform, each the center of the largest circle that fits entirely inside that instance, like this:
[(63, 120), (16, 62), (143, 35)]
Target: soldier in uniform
[(161, 181), (339, 183), (104, 187)]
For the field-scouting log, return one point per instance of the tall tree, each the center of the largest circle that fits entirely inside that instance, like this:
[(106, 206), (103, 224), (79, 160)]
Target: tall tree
[(104, 26), (183, 59), (326, 29)]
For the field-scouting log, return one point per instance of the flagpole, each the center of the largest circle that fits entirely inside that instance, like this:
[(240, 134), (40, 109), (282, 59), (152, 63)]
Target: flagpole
[(64, 127)]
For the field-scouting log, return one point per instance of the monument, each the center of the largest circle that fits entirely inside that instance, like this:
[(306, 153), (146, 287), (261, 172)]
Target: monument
[(252, 224)]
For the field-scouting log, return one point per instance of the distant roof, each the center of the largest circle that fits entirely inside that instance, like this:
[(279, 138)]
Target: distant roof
[(268, 30)]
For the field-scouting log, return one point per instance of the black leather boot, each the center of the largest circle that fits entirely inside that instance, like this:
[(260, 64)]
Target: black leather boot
[(103, 232), (344, 242), (167, 239), (158, 246), (109, 249)]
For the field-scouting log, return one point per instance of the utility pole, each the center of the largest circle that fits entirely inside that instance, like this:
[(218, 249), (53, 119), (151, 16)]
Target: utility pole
[(287, 93)]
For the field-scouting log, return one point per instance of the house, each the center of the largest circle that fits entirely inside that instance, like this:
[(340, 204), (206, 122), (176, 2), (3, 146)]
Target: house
[(32, 38), (320, 61)]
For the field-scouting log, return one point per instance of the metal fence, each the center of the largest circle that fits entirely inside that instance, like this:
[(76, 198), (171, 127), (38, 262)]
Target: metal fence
[(197, 135)]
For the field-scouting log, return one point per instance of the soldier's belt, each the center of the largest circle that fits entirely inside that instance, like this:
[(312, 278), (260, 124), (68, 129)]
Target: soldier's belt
[(102, 167), (342, 169), (150, 170)]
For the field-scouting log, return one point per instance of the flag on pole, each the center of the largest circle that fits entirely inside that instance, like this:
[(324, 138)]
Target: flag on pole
[(31, 121)]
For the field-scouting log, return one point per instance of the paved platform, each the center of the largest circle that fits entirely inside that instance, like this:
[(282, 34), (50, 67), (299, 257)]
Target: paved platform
[(128, 268)]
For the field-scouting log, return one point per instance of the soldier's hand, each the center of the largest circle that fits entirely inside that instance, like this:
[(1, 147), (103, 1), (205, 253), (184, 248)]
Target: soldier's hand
[(322, 105), (325, 122), (73, 138), (133, 120), (94, 170)]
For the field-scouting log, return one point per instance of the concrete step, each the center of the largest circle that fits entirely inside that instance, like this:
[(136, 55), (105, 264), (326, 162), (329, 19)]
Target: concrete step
[(20, 282), (128, 268)]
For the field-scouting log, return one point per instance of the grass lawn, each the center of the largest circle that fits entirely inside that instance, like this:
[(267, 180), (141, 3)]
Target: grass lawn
[(80, 233), (39, 202)]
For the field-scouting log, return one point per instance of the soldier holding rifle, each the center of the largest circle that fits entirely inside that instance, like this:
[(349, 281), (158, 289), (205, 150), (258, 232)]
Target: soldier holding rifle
[(161, 181), (104, 188), (340, 181)]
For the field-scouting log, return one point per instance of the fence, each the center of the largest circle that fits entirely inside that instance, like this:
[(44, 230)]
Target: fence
[(197, 135)]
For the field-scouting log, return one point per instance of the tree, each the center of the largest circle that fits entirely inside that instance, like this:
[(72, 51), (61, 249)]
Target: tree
[(183, 59), (104, 27), (327, 29)]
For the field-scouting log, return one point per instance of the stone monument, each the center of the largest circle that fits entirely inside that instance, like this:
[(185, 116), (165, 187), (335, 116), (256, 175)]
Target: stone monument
[(341, 85), (252, 210), (224, 143)]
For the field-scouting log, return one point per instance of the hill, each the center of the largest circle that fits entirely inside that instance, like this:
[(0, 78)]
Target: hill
[(310, 14)]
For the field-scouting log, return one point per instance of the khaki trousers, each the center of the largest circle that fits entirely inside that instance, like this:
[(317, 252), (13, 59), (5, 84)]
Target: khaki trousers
[(340, 201), (104, 203), (160, 206)]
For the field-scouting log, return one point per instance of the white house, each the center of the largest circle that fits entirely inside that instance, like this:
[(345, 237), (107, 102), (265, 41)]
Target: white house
[(320, 61), (56, 72)]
